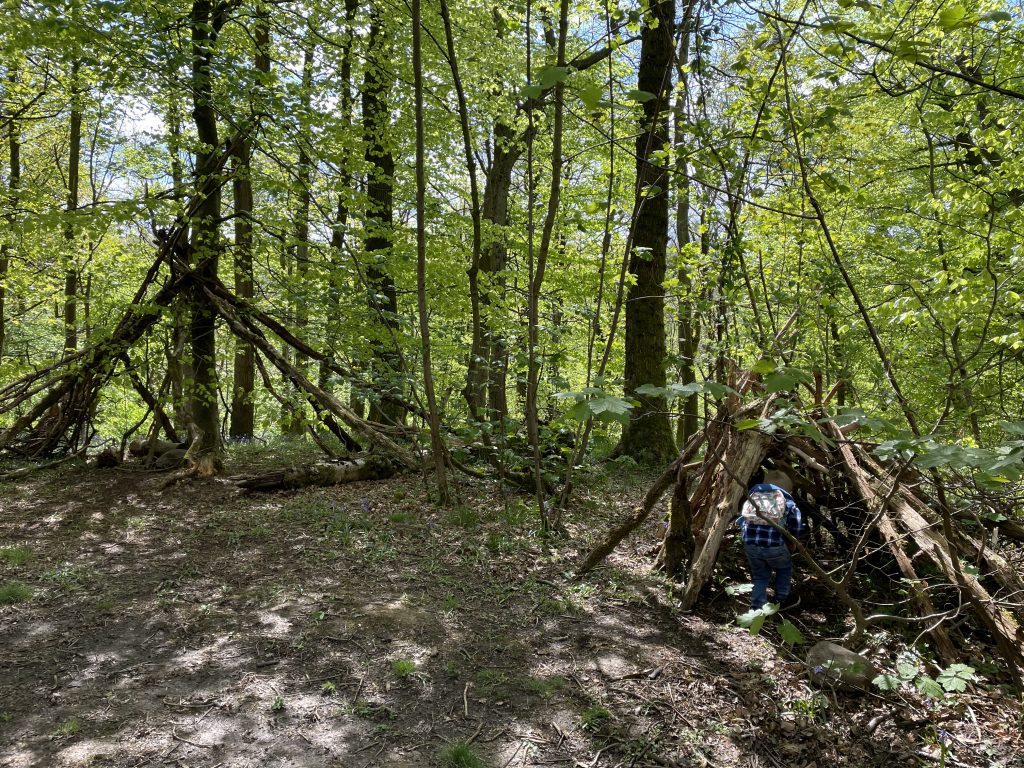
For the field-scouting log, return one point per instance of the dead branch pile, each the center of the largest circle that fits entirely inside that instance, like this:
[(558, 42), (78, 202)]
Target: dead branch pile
[(50, 411), (881, 540)]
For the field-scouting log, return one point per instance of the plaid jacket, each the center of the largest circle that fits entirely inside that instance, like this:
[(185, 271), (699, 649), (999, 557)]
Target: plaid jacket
[(766, 535)]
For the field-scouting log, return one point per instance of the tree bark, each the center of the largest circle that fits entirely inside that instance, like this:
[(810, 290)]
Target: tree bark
[(205, 242), (13, 187), (648, 436), (383, 294), (243, 404), (436, 443), (71, 269)]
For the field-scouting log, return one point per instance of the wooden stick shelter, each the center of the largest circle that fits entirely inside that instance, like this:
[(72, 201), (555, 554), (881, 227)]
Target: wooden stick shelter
[(869, 512)]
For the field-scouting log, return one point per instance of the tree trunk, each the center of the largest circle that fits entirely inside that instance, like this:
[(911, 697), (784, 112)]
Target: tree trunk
[(13, 184), (339, 230), (205, 242), (383, 295), (292, 417), (71, 269), (243, 405), (688, 322), (437, 445), (648, 436)]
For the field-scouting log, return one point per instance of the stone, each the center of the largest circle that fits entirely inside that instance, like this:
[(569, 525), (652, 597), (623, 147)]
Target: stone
[(833, 665)]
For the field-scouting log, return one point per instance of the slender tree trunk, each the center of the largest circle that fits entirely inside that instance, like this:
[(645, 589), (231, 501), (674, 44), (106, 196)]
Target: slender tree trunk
[(475, 369), (648, 436), (179, 367), (243, 407), (205, 242), (339, 230), (436, 443), (688, 322), (243, 404), (293, 418), (383, 295), (13, 185), (71, 270), (537, 274)]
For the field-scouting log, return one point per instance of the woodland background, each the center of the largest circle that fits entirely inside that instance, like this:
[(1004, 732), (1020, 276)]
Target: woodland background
[(561, 246), (611, 197)]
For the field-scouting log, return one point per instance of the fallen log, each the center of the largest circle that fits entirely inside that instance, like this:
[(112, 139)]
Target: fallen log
[(309, 475)]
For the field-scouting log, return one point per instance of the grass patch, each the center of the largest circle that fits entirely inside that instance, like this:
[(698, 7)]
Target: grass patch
[(518, 513), (545, 687), (15, 555), (594, 718), (491, 679), (370, 711), (402, 668), (461, 754), (14, 592), (463, 517), (70, 578), (67, 729)]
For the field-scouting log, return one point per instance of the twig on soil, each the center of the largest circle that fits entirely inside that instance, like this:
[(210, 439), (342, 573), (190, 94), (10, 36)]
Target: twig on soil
[(476, 733), (191, 743), (465, 700)]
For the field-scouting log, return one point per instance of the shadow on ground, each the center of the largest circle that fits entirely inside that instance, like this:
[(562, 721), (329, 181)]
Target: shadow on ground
[(358, 626)]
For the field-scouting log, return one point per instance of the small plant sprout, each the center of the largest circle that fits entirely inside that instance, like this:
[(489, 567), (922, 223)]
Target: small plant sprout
[(277, 705), (461, 754), (67, 729), (402, 668), (328, 689), (594, 718), (451, 603)]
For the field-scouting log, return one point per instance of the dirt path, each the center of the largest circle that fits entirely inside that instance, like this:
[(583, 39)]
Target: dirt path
[(357, 626)]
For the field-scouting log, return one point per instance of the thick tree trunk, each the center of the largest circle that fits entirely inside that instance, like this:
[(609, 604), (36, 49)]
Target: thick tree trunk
[(370, 468), (383, 295), (648, 436), (487, 375), (205, 242)]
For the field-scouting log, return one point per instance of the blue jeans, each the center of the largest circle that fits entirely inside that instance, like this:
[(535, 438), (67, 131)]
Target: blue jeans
[(764, 561)]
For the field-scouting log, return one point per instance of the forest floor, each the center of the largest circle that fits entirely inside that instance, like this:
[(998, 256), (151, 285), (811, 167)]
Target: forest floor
[(362, 626)]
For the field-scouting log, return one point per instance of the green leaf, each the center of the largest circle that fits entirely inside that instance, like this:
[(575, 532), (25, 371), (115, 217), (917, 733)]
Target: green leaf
[(789, 633), (886, 682), (747, 424), (955, 677), (550, 76), (780, 382), (929, 687), (997, 16), (640, 96), (952, 16), (763, 366), (591, 95), (907, 670)]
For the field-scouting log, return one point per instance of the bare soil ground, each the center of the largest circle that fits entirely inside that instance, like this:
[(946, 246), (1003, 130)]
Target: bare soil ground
[(362, 626)]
